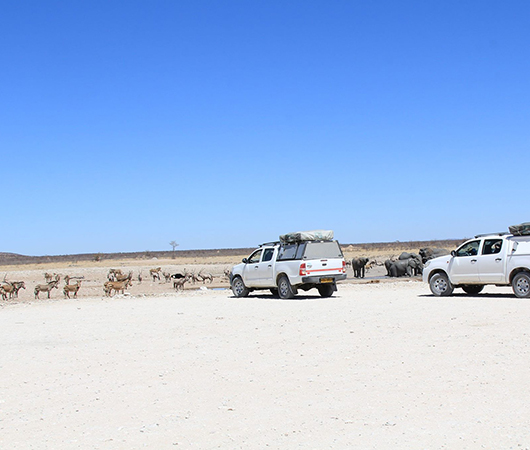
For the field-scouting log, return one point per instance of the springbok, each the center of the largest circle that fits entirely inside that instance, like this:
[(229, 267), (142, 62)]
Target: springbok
[(167, 276), (113, 274), (115, 286), (122, 277), (155, 273), (46, 287), (49, 277), (71, 288)]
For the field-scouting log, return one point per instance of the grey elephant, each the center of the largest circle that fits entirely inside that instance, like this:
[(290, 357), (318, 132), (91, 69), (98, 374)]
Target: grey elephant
[(388, 265), (403, 267), (419, 263), (430, 253), (358, 266)]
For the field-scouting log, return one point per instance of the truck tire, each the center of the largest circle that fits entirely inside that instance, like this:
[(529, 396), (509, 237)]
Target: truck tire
[(238, 287), (521, 285), (325, 290), (472, 288), (440, 285), (285, 290)]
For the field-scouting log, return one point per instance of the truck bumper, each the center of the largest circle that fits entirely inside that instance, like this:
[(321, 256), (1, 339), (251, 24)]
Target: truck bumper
[(316, 280)]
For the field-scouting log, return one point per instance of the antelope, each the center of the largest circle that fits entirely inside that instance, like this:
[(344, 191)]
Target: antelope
[(18, 285), (115, 286), (155, 273), (178, 283), (67, 278), (49, 277), (71, 288), (113, 274), (46, 287), (122, 277), (194, 278), (167, 276), (7, 289), (205, 276), (12, 287)]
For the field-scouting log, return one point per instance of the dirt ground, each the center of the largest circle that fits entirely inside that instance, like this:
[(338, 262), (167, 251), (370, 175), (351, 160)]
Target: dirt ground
[(381, 365)]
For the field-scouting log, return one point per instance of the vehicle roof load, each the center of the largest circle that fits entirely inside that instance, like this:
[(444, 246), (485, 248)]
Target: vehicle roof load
[(304, 236), (522, 229)]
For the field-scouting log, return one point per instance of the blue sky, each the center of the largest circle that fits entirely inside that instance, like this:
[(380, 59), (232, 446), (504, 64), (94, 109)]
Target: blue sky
[(126, 125)]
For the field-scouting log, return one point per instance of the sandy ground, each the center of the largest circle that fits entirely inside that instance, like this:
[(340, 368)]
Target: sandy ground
[(378, 366)]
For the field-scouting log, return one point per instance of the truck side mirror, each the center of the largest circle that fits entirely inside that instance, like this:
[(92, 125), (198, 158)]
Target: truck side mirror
[(245, 260), (453, 253)]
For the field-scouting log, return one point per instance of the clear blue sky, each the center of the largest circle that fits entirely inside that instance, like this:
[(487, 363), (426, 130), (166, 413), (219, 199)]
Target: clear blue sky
[(127, 124)]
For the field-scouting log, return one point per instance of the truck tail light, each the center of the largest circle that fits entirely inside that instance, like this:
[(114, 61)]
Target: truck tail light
[(343, 266), (302, 269)]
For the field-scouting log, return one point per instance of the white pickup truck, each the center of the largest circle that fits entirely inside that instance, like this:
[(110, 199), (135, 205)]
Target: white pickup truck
[(501, 259), (284, 268)]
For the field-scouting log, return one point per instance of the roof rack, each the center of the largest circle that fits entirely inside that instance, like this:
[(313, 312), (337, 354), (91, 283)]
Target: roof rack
[(502, 233), (270, 243)]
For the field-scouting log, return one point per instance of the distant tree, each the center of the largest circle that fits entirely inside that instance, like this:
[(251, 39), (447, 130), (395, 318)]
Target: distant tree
[(174, 245), (98, 257)]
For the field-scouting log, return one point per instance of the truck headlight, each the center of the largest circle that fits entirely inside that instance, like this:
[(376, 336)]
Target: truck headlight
[(426, 264)]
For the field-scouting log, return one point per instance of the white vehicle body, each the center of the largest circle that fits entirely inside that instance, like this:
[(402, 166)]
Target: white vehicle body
[(499, 259), (286, 268)]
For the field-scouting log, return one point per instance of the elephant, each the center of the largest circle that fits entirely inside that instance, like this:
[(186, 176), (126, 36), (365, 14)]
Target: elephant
[(403, 267), (406, 255), (358, 266), (388, 264), (417, 270), (430, 253)]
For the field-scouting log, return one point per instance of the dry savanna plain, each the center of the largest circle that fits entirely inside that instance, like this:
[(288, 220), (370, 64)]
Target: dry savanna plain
[(382, 364)]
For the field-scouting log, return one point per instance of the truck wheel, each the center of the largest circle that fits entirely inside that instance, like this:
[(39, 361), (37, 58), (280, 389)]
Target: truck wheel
[(440, 285), (521, 285), (325, 290), (238, 287), (285, 289), (472, 288)]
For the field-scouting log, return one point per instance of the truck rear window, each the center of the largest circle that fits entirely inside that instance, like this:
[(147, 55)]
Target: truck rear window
[(310, 250), (319, 250)]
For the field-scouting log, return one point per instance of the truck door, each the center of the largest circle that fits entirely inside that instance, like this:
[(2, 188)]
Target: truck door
[(251, 277), (264, 268), (259, 268), (491, 261), (463, 267)]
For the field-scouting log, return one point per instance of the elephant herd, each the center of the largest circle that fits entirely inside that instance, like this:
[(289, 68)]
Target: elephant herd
[(408, 264)]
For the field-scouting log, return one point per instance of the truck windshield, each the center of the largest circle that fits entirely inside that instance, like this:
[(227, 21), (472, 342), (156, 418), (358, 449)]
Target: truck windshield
[(319, 250)]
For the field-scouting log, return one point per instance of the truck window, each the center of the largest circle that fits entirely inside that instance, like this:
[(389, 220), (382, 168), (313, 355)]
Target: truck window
[(468, 249), (319, 250), (254, 258), (287, 251), (492, 246), (267, 254)]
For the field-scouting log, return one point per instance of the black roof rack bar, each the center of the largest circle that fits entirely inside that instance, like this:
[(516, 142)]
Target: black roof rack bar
[(502, 233), (270, 243)]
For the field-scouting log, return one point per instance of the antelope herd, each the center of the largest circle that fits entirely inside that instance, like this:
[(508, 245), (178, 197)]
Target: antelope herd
[(117, 282)]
